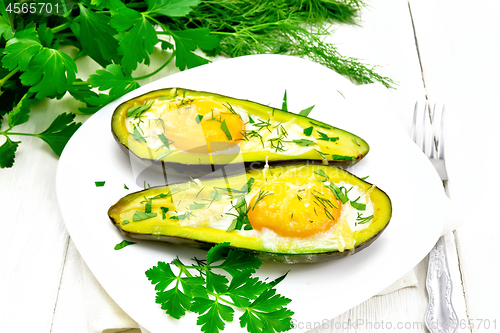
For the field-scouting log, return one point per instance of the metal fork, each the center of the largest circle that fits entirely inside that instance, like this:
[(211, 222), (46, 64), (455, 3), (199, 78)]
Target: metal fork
[(428, 127)]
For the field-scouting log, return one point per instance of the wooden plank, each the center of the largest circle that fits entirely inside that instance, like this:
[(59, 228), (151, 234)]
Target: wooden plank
[(34, 239), (460, 61)]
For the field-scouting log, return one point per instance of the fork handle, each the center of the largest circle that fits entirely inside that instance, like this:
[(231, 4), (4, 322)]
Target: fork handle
[(440, 316)]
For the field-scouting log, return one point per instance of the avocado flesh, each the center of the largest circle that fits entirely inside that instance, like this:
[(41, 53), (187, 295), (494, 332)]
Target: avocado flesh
[(193, 214), (269, 135)]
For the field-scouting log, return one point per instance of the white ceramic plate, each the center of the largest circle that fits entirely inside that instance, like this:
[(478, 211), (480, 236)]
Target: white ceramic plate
[(319, 292)]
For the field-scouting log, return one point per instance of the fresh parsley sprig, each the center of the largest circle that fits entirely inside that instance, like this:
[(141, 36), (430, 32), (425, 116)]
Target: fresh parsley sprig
[(56, 135), (215, 287), (119, 35)]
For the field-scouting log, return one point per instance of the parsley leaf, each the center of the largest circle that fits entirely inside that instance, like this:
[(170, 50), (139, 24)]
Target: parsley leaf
[(49, 73), (324, 137), (113, 78), (186, 41), (265, 310), (21, 49), (59, 132), (139, 216), (343, 158), (8, 153), (284, 105), (96, 36), (20, 114), (224, 128), (304, 142), (340, 193), (137, 45), (137, 135), (164, 211), (172, 8), (306, 111), (123, 244), (308, 131), (99, 184), (5, 28), (358, 206)]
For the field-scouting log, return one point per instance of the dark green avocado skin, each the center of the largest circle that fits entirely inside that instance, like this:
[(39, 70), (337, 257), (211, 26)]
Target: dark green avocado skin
[(284, 258)]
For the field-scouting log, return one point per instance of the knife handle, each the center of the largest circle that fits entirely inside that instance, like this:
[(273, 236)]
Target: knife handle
[(440, 316)]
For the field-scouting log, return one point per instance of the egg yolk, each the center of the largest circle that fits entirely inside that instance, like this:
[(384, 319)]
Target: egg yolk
[(199, 123), (294, 207)]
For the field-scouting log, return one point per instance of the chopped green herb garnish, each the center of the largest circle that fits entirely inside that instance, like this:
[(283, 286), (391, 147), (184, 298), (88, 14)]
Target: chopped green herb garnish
[(162, 98), (340, 193), (261, 196), (197, 194), (308, 131), (343, 158), (322, 200), (362, 220), (324, 137), (175, 217), (250, 120), (241, 220), (322, 174), (358, 206), (139, 216), (196, 206), (224, 128), (325, 126), (365, 177), (284, 105), (186, 215), (147, 207), (303, 142), (123, 244), (125, 186), (99, 184), (164, 211), (306, 111), (248, 186), (229, 107), (125, 222), (137, 135), (166, 142), (356, 142), (198, 118), (299, 197), (277, 144), (138, 110), (321, 153)]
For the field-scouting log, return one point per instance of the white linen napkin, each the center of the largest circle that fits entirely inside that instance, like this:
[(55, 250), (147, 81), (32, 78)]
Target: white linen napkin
[(103, 315)]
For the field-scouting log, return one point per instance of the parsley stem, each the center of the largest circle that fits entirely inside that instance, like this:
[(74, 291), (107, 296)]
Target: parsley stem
[(82, 83), (8, 76), (17, 133), (61, 27), (158, 69)]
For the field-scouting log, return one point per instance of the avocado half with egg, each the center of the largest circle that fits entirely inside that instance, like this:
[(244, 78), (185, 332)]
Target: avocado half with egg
[(291, 214), (194, 133)]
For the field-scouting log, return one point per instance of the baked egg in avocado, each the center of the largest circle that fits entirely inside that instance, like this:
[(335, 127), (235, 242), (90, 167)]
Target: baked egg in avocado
[(192, 132), (295, 213)]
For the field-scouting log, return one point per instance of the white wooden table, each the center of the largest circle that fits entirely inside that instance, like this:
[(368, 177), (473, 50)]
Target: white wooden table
[(442, 50)]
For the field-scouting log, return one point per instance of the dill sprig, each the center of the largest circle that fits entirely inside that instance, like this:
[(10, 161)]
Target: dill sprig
[(282, 27)]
